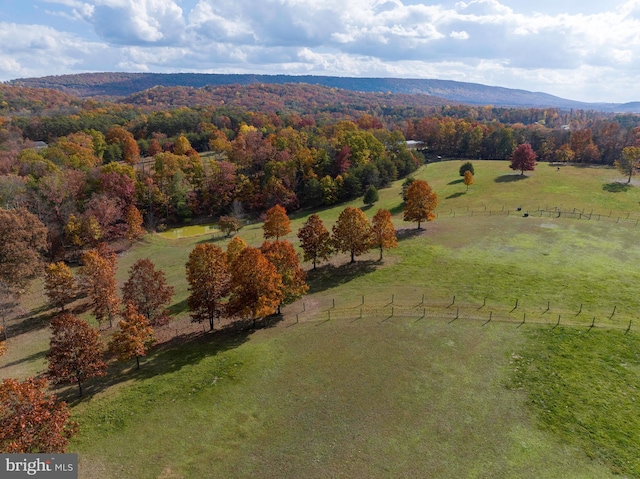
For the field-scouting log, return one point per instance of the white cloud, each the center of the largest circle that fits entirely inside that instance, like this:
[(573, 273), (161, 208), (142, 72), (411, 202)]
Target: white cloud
[(593, 55)]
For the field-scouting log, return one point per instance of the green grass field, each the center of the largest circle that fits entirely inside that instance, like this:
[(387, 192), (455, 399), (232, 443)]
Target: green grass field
[(394, 385)]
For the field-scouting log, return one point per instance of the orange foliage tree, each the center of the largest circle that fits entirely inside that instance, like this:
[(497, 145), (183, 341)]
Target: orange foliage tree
[(383, 233), (256, 286), (59, 285), (31, 421), (75, 353), (209, 282), (351, 232), (315, 240), (276, 223), (420, 203), (134, 221), (98, 279), (283, 256), (468, 179), (149, 292), (234, 248), (135, 336)]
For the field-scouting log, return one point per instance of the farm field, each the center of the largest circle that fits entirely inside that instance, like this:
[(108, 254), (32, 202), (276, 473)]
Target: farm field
[(492, 344)]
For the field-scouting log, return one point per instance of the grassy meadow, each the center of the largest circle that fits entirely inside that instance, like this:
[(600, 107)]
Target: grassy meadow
[(491, 344)]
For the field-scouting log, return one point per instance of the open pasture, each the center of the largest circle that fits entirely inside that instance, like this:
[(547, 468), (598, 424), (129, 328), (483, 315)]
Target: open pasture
[(409, 387)]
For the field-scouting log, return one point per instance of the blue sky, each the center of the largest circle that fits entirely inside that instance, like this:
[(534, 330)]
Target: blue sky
[(583, 50)]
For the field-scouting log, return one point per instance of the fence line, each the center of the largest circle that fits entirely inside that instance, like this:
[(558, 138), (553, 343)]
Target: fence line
[(548, 212), (452, 310)]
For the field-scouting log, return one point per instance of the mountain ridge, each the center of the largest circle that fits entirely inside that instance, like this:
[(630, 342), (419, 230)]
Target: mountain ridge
[(119, 84)]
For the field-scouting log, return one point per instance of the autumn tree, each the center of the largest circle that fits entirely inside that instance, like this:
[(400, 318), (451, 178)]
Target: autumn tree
[(75, 353), (283, 256), (134, 221), (59, 285), (351, 232), (234, 248), (468, 179), (370, 196), (315, 240), (467, 166), (31, 421), (256, 286), (383, 232), (523, 158), (23, 241), (97, 278), (209, 282), (276, 223), (629, 161), (420, 203), (229, 225), (147, 289), (134, 337), (3, 344)]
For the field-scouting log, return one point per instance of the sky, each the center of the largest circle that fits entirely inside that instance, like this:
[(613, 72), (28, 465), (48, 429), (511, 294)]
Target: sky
[(587, 50)]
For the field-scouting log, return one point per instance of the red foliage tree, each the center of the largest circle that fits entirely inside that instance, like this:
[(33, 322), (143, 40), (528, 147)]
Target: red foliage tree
[(32, 422), (209, 282), (148, 291), (75, 353), (315, 240), (523, 159)]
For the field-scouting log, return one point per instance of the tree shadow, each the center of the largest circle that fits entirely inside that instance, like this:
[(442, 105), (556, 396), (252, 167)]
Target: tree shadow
[(455, 195), (408, 233), (31, 357), (171, 356), (616, 187), (366, 207), (329, 276), (177, 308), (510, 178), (397, 209), (456, 182)]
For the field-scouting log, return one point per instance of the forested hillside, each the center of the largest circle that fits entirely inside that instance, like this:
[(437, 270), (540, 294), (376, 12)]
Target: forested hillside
[(125, 84), (177, 154)]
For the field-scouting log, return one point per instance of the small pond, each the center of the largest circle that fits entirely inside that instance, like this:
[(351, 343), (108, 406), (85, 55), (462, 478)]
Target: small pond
[(187, 231)]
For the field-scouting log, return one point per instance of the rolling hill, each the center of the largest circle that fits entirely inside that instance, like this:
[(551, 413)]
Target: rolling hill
[(126, 84)]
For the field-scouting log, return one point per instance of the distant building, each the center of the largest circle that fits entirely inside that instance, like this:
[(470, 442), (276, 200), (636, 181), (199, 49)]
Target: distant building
[(414, 144)]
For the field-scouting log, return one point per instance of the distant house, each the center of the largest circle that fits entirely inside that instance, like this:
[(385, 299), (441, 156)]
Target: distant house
[(414, 144), (39, 145)]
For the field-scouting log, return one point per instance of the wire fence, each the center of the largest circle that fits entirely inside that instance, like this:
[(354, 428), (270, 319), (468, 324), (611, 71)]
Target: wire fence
[(453, 309), (628, 217)]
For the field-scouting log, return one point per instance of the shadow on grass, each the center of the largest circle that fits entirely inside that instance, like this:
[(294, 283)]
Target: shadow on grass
[(31, 357), (456, 195), (510, 178), (177, 308), (616, 187), (456, 182), (171, 356), (408, 233), (329, 276), (397, 209)]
